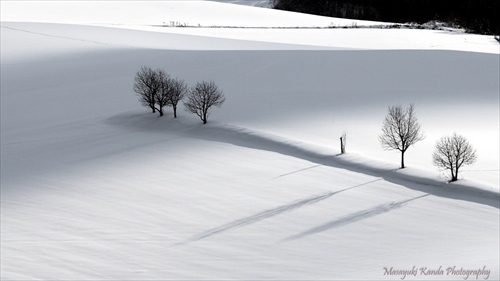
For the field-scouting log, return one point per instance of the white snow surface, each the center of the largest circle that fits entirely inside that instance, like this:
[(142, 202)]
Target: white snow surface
[(95, 187)]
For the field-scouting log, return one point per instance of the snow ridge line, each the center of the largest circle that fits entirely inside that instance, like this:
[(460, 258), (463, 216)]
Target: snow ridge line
[(349, 26)]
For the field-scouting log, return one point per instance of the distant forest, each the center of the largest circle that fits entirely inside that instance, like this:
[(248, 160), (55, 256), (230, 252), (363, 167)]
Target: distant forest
[(476, 16)]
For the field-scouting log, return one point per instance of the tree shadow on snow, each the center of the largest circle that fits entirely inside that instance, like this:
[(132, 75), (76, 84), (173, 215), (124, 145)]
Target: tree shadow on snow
[(243, 137), (354, 217)]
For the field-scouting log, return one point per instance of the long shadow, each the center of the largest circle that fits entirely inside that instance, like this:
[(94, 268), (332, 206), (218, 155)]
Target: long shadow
[(243, 137), (354, 217), (250, 139), (268, 214)]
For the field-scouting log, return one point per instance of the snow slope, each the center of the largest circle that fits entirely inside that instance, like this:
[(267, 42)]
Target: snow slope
[(95, 187), (262, 25), (143, 13), (254, 3)]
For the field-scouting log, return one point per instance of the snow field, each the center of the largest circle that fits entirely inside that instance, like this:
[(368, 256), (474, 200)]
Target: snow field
[(95, 187)]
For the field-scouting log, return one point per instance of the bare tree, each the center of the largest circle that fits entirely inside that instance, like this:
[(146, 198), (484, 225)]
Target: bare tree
[(146, 86), (452, 152), (162, 95), (400, 130), (178, 90), (202, 97), (343, 141)]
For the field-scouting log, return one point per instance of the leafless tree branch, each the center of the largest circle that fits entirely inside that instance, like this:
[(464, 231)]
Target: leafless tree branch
[(452, 152), (202, 97), (400, 130), (146, 86)]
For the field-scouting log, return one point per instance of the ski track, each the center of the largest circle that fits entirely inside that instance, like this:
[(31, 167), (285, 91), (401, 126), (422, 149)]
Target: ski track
[(60, 37)]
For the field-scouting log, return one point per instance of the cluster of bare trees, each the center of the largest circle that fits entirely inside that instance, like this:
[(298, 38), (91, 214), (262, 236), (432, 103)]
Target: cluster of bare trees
[(156, 90), (401, 129)]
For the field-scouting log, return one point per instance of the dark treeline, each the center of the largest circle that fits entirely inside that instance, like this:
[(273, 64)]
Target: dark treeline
[(477, 16)]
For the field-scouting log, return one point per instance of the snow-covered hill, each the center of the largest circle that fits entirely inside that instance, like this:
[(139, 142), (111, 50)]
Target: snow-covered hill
[(95, 187), (254, 3)]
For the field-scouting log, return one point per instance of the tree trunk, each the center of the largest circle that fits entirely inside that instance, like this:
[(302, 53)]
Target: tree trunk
[(342, 150), (205, 117), (402, 160), (455, 178), (453, 175), (175, 111)]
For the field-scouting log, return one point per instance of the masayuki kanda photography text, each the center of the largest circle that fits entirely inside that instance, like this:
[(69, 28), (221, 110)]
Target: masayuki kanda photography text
[(464, 273)]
